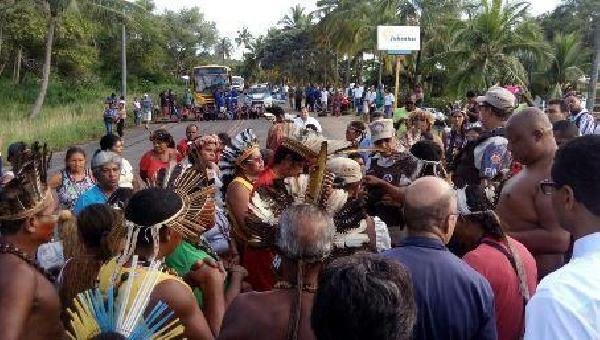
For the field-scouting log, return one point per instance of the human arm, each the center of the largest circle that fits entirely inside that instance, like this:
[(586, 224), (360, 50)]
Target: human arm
[(236, 279), (55, 180), (183, 304), (17, 292), (372, 234), (392, 192), (237, 198), (487, 328), (209, 276)]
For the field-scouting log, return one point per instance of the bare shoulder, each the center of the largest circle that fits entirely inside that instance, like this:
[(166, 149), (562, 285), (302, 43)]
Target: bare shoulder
[(174, 293)]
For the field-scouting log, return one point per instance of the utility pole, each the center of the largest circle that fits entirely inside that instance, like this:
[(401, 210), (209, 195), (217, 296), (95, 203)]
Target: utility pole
[(123, 59)]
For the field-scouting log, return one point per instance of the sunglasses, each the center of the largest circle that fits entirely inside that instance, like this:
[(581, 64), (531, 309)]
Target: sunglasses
[(547, 187)]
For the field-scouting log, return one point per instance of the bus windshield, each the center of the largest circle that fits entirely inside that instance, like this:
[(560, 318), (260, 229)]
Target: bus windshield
[(209, 79)]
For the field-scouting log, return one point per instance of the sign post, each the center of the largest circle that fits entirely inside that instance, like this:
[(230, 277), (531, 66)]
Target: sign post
[(398, 41)]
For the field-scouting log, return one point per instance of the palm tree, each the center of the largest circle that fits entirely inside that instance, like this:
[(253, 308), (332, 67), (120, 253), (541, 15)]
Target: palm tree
[(296, 19), (224, 48), (485, 50), (569, 56)]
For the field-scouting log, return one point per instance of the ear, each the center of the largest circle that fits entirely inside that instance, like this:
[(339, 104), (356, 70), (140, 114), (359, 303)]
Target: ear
[(538, 134), (568, 197), (30, 225)]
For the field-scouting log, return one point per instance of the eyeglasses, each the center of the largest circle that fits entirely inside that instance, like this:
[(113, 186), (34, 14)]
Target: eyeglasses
[(254, 159), (547, 187)]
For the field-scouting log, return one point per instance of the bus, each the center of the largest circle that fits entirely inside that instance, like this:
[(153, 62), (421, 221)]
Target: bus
[(208, 79)]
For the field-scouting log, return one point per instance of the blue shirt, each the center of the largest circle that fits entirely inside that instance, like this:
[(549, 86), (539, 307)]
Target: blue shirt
[(92, 196), (453, 300)]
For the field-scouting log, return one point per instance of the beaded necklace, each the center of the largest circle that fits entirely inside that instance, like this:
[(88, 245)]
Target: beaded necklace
[(9, 249)]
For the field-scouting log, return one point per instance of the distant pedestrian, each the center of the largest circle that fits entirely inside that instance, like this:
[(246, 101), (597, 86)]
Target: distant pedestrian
[(146, 109), (388, 102), (121, 116), (110, 115), (137, 111)]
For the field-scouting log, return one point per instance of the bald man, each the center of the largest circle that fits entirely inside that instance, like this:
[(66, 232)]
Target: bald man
[(453, 300), (526, 211)]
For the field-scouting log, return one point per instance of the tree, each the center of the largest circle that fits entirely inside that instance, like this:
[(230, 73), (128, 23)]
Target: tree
[(224, 48), (297, 19), (485, 50), (53, 9), (569, 56)]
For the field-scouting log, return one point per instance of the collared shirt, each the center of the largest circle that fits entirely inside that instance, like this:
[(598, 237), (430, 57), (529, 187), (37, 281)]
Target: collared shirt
[(584, 121), (301, 124), (566, 304), (92, 196), (453, 300), (497, 269)]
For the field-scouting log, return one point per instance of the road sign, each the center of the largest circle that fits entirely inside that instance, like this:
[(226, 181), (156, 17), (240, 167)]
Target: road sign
[(398, 38)]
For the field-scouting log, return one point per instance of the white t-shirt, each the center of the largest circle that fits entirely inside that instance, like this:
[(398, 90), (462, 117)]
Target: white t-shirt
[(324, 95), (301, 124), (389, 99), (126, 179)]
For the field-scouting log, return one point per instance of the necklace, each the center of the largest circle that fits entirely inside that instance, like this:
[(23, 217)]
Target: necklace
[(9, 249), (309, 288)]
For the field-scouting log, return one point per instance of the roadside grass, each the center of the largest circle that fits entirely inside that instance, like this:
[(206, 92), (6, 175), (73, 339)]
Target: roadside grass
[(71, 115)]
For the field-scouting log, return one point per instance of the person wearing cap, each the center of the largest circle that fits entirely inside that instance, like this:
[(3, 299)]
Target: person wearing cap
[(106, 167), (362, 235), (487, 160)]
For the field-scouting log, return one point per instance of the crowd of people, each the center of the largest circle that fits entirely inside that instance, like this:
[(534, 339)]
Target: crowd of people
[(407, 229)]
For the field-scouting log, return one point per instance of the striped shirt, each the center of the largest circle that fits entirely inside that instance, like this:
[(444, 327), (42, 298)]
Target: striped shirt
[(584, 121)]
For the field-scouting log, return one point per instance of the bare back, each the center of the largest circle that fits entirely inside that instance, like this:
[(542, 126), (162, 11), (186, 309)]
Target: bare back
[(516, 206), (30, 303), (265, 316)]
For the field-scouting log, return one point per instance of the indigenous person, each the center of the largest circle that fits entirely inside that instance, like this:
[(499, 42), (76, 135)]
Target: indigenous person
[(160, 157), (73, 180), (305, 119), (487, 160), (440, 279), (276, 131), (157, 220), (241, 165), (507, 265), (579, 116), (96, 224), (364, 297), (28, 217), (106, 167), (356, 230), (191, 133), (304, 240), (527, 212), (564, 132), (565, 303), (555, 111), (116, 144)]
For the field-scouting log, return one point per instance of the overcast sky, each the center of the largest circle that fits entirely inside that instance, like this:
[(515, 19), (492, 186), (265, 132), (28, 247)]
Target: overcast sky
[(259, 15)]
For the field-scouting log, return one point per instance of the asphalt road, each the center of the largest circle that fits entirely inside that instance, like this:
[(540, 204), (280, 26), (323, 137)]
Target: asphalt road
[(137, 141)]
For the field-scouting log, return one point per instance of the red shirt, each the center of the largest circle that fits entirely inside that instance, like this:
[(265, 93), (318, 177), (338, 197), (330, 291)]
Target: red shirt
[(183, 147), (265, 179), (149, 164), (496, 268)]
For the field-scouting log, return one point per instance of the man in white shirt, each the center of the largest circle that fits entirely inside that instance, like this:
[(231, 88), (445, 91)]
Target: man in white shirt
[(324, 97), (371, 96), (579, 116), (566, 304), (305, 121), (358, 92), (388, 102)]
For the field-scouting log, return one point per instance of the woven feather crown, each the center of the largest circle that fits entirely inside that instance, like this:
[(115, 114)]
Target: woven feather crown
[(239, 150), (26, 194)]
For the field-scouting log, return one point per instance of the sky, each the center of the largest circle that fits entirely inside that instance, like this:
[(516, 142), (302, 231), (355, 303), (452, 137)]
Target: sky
[(259, 15)]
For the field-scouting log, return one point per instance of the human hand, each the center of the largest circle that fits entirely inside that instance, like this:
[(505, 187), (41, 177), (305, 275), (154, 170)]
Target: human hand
[(370, 180), (205, 274)]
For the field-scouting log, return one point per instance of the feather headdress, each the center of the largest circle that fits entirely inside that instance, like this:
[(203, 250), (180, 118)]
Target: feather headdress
[(197, 211), (121, 312), (307, 142), (267, 203), (27, 193), (241, 147)]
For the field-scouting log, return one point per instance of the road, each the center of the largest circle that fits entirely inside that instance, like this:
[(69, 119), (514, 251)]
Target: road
[(137, 141)]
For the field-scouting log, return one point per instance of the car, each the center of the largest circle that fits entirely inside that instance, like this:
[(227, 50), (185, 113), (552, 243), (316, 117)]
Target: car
[(258, 98)]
